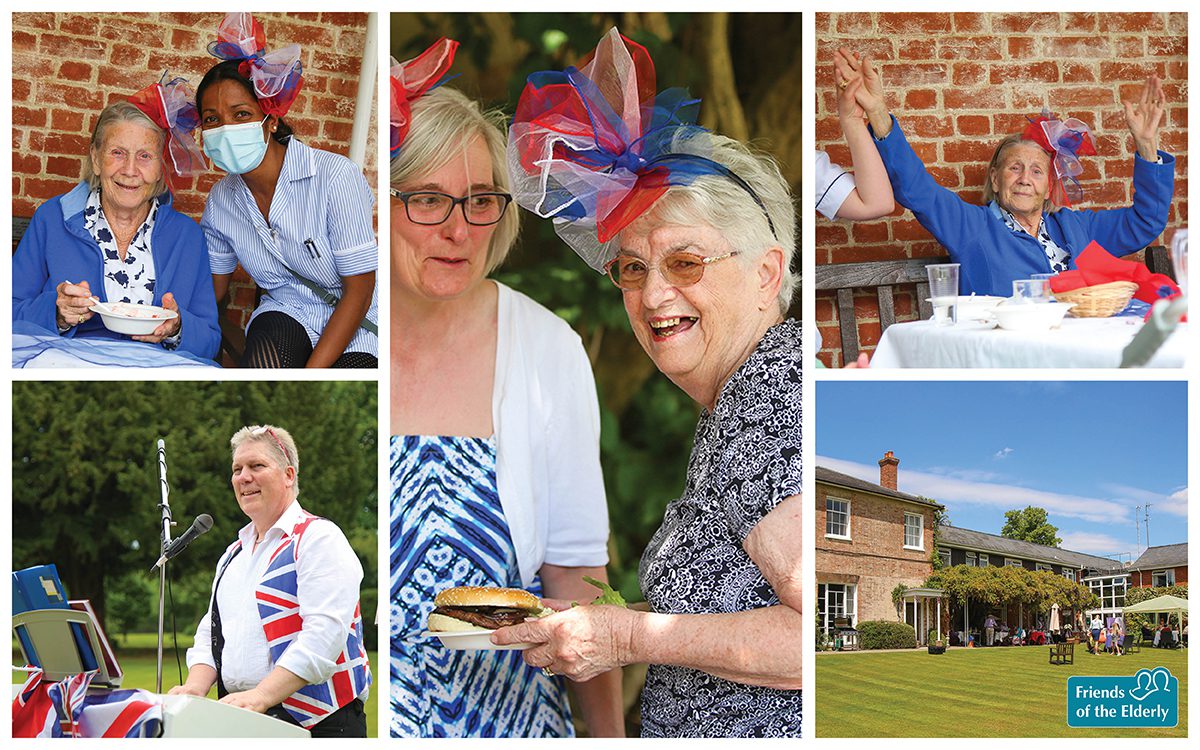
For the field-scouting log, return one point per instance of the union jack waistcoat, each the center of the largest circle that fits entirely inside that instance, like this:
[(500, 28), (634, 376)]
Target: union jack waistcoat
[(279, 611)]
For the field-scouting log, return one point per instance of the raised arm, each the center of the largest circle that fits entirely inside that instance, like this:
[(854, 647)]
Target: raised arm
[(869, 95), (1144, 116), (872, 195)]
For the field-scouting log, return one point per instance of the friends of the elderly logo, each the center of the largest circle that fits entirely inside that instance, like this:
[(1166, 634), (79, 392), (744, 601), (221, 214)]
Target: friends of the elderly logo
[(1148, 698)]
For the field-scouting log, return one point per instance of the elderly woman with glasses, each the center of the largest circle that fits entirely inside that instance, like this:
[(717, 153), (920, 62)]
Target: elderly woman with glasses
[(1026, 225), (698, 233), (495, 450), (283, 634), (116, 237)]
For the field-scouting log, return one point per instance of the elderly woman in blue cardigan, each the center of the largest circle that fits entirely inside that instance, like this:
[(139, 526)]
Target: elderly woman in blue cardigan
[(1026, 225)]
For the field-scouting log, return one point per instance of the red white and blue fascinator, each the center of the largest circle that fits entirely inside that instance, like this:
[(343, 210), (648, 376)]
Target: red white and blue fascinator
[(593, 147), (411, 80), (171, 104), (276, 75), (1065, 141)]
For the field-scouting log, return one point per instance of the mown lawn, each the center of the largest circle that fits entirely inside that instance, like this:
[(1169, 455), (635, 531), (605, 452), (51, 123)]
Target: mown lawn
[(138, 657), (996, 692)]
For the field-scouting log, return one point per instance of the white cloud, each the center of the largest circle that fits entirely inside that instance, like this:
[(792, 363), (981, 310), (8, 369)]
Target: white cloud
[(951, 490), (1174, 504), (1094, 543), (1002, 453), (973, 475)]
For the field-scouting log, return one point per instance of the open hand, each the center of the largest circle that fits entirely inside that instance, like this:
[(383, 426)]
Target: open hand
[(250, 699), (1144, 116)]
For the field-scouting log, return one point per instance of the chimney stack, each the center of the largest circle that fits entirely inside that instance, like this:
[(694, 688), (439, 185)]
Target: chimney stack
[(888, 469)]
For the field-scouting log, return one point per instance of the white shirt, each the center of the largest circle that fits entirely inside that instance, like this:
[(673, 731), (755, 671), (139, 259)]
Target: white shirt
[(328, 577), (834, 184), (320, 226), (547, 423)]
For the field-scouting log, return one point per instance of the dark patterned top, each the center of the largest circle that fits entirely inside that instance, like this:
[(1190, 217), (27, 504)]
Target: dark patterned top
[(745, 461), (128, 279)]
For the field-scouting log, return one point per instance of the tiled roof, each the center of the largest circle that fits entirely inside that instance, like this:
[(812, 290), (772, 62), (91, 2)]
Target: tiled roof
[(1166, 556), (829, 476), (953, 536)]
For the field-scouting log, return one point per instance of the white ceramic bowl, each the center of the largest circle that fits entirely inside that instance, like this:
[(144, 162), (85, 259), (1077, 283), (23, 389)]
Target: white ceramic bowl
[(132, 320), (1030, 316), (975, 307)]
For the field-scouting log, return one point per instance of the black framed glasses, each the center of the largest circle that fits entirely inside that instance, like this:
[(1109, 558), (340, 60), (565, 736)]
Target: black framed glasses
[(679, 268), (431, 208)]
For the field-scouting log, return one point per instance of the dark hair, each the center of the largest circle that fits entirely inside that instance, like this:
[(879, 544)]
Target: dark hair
[(228, 71)]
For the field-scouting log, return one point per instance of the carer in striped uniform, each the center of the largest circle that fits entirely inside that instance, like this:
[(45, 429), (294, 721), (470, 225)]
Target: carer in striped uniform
[(297, 219)]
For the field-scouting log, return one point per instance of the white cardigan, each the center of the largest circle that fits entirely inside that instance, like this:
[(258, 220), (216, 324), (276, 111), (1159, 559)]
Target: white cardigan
[(547, 425)]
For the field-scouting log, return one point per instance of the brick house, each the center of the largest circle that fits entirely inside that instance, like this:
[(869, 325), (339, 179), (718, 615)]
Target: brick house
[(870, 538), (1160, 566)]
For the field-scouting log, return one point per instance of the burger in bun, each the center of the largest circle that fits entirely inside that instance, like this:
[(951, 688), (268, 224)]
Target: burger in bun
[(476, 608)]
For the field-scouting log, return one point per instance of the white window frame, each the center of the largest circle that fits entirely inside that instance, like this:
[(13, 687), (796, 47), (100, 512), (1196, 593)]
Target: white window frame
[(972, 559), (984, 560), (849, 594), (1044, 567), (1168, 576), (828, 499), (1069, 574), (920, 546), (944, 555), (1013, 563)]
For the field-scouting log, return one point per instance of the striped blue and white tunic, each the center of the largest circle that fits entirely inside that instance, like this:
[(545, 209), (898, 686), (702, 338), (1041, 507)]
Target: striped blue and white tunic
[(320, 226), (448, 529)]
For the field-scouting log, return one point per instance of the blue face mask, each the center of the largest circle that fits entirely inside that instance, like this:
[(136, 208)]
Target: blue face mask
[(237, 149)]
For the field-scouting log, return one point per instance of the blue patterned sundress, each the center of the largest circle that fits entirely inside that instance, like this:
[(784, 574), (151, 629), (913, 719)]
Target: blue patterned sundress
[(448, 529)]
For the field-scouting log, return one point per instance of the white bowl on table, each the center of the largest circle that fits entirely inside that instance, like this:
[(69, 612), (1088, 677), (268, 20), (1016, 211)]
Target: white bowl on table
[(130, 319), (1030, 316), (976, 307)]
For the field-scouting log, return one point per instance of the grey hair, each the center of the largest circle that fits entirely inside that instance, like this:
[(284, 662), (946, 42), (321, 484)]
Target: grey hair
[(1010, 142), (444, 123), (280, 445), (115, 113), (726, 206)]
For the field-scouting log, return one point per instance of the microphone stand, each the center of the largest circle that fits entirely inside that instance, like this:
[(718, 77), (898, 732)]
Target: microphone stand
[(167, 523)]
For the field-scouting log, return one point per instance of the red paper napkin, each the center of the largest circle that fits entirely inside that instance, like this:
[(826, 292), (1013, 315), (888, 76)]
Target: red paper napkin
[(1096, 266)]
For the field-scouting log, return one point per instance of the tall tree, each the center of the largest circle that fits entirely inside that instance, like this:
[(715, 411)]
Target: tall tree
[(1032, 524)]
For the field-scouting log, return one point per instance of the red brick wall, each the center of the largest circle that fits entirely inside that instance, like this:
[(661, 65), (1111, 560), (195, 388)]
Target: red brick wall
[(1145, 578), (67, 67), (959, 82), (874, 557)]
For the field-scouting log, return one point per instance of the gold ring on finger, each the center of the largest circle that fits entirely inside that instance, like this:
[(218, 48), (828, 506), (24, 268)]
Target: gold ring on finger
[(548, 671)]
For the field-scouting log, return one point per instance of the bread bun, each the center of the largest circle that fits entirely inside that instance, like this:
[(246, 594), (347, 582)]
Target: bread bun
[(443, 624), (480, 596)]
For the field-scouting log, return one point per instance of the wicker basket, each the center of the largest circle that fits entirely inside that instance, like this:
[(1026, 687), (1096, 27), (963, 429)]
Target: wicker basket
[(1099, 301)]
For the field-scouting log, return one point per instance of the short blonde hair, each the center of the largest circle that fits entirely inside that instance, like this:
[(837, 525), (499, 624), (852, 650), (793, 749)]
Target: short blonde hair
[(280, 446), (119, 112), (1010, 142), (444, 123)]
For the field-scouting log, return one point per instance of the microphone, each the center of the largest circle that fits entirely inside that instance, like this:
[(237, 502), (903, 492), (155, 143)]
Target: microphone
[(200, 526)]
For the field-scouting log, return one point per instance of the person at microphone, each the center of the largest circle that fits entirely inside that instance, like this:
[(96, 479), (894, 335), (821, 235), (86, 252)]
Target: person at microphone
[(283, 634)]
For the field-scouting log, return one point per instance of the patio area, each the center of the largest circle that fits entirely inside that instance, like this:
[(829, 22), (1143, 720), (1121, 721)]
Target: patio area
[(997, 692)]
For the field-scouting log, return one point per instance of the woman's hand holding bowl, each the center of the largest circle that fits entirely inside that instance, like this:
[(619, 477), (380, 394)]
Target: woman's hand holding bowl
[(166, 329), (578, 643)]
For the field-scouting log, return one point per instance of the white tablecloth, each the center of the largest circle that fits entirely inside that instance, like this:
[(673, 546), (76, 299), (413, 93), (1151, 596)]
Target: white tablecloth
[(1078, 342)]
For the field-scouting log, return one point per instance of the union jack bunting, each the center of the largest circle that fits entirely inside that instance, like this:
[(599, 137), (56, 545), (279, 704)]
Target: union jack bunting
[(121, 713), (34, 714), (279, 611)]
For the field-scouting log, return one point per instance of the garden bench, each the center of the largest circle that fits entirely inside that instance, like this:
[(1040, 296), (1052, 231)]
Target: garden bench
[(1062, 653)]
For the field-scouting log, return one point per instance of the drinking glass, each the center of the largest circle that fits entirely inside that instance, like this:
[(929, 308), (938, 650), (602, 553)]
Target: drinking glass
[(1031, 290), (1179, 258), (943, 292)]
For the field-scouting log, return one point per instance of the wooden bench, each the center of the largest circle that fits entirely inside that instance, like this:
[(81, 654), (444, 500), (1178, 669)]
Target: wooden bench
[(884, 275), (1062, 653)]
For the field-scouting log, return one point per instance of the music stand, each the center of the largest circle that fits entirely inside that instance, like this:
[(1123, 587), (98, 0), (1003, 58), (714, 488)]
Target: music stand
[(55, 649)]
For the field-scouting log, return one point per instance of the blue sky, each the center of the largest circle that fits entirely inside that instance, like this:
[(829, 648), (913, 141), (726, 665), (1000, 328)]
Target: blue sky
[(1088, 452)]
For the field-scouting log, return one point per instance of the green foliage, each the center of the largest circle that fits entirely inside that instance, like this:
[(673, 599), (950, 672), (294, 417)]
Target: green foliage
[(823, 639), (994, 585), (940, 518), (898, 594), (1031, 524), (1134, 621), (86, 490), (877, 634)]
